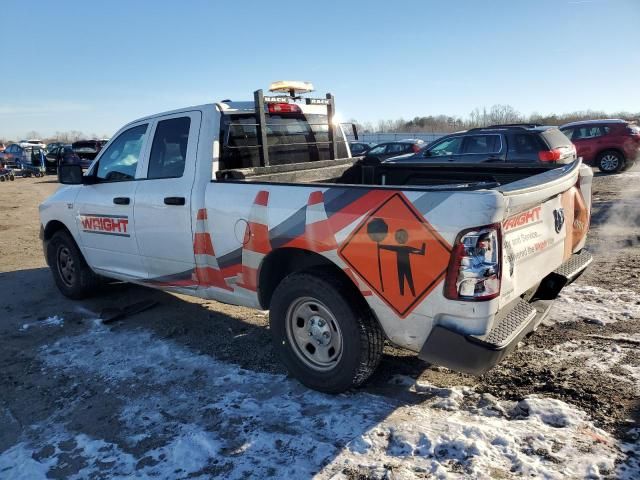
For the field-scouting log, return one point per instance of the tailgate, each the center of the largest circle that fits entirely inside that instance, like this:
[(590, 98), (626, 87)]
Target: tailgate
[(546, 221)]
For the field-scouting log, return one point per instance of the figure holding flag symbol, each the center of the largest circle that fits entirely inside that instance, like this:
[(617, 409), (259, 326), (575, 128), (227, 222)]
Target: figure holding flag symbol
[(377, 229)]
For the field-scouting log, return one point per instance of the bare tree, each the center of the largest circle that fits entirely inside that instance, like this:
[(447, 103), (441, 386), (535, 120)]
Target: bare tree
[(33, 134), (483, 117), (501, 114)]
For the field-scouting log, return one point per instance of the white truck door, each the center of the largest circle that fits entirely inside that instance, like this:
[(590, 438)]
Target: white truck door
[(105, 208), (163, 201)]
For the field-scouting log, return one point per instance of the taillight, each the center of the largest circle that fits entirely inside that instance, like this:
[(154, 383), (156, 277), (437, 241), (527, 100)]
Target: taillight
[(474, 269), (283, 108), (415, 148), (549, 155)]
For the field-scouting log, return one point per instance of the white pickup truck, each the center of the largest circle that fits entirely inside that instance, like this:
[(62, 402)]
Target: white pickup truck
[(260, 204)]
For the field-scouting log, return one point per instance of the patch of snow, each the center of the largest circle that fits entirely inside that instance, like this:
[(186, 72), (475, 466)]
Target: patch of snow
[(54, 321), (184, 414), (18, 463), (540, 437), (595, 305)]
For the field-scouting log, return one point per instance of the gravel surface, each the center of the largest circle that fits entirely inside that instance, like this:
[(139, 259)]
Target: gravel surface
[(586, 357)]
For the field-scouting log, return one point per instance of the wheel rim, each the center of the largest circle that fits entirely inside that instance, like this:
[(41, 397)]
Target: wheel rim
[(314, 334), (66, 267), (609, 162)]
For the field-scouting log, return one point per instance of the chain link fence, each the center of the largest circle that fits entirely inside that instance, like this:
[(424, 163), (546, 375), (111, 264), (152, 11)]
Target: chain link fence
[(392, 137)]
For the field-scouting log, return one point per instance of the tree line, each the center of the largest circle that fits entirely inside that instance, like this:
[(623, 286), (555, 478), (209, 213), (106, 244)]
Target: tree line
[(478, 117), (482, 117)]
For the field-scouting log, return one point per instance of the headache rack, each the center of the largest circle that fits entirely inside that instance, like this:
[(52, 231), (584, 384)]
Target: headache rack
[(259, 100), (261, 103)]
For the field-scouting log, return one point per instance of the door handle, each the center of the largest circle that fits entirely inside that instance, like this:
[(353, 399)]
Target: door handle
[(122, 200), (174, 200)]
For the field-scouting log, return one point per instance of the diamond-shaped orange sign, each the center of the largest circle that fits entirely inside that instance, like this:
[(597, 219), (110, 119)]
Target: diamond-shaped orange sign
[(400, 256)]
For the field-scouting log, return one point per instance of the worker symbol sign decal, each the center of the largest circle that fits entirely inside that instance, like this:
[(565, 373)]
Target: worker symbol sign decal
[(397, 253)]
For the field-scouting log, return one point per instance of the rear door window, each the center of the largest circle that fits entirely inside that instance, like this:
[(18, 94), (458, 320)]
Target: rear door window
[(584, 133), (395, 148), (379, 150), (169, 148), (524, 144), (481, 144)]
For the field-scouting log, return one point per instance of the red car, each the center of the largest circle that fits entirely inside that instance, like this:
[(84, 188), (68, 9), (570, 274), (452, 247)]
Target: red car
[(610, 144)]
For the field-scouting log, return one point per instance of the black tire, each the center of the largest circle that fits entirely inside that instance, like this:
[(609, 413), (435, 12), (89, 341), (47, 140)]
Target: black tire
[(12, 177), (361, 340), (77, 283), (2, 179), (610, 161)]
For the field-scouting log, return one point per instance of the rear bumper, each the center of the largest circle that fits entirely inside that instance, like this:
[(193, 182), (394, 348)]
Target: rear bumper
[(477, 354)]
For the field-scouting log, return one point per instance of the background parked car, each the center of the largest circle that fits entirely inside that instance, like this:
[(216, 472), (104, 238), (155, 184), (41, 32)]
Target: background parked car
[(34, 142), (52, 145), (56, 155), (360, 148), (608, 144), (514, 143), (16, 156), (386, 150), (87, 150)]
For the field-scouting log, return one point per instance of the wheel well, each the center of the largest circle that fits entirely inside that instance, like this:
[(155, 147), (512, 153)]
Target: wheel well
[(52, 227), (285, 261)]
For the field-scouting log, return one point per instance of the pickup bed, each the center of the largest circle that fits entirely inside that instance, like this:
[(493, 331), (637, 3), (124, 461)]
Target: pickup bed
[(456, 263)]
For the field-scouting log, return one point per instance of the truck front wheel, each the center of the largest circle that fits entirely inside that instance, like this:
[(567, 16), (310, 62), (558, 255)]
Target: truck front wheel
[(324, 333), (70, 271)]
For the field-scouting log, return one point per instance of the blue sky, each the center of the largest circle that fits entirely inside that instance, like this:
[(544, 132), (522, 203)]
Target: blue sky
[(93, 66)]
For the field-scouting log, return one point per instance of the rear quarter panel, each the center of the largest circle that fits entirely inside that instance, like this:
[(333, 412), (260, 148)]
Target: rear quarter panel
[(246, 221)]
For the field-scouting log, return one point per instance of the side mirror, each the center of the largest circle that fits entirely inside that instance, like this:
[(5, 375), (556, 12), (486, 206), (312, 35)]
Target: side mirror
[(426, 153), (70, 174)]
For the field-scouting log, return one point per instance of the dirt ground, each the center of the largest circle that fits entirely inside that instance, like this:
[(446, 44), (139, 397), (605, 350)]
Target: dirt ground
[(29, 393)]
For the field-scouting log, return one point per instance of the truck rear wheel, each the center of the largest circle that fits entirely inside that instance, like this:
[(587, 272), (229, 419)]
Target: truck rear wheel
[(70, 271), (324, 333)]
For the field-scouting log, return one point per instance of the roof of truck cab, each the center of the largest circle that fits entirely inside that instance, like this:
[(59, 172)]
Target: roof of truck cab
[(237, 107), (171, 112)]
